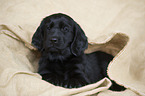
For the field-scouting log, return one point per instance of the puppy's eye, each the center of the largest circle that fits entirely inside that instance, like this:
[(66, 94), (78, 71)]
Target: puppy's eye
[(66, 29), (48, 28)]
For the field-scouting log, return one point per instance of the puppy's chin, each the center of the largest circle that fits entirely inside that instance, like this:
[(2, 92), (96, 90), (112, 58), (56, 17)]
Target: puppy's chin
[(52, 50), (55, 54)]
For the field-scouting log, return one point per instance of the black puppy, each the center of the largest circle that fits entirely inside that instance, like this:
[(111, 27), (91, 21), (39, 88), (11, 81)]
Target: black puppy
[(62, 42)]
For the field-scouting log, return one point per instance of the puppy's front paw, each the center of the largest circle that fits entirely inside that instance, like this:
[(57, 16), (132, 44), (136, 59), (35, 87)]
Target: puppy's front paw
[(54, 79), (76, 83)]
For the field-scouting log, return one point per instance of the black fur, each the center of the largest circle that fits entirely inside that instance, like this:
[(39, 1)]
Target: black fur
[(63, 63)]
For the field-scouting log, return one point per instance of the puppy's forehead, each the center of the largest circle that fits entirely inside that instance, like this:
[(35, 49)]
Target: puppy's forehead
[(58, 19), (61, 19)]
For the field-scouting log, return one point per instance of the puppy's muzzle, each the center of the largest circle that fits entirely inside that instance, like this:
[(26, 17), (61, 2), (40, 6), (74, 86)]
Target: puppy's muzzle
[(54, 40)]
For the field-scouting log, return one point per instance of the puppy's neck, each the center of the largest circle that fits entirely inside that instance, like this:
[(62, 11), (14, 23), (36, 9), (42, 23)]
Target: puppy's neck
[(59, 56)]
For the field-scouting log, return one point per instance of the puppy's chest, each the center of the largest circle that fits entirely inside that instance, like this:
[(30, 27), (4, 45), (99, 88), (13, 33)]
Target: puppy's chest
[(58, 67), (64, 69)]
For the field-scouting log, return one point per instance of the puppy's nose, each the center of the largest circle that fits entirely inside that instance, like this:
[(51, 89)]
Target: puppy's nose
[(54, 40)]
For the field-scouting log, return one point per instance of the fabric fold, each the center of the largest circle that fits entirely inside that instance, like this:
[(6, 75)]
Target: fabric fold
[(113, 26), (19, 68)]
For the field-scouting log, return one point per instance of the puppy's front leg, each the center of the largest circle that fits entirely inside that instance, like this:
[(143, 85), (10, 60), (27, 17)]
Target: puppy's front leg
[(77, 77)]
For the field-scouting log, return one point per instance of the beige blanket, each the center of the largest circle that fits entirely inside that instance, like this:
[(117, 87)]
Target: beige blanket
[(113, 26)]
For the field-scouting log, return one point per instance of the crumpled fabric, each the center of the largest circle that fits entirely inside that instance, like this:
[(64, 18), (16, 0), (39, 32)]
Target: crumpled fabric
[(115, 27)]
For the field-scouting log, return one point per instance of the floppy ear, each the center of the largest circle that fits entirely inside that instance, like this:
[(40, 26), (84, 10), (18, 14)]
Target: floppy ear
[(37, 39), (80, 42)]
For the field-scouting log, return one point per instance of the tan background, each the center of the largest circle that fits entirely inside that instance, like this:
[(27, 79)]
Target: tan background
[(100, 19)]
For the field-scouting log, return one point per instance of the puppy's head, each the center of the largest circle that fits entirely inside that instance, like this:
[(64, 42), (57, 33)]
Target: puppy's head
[(59, 32)]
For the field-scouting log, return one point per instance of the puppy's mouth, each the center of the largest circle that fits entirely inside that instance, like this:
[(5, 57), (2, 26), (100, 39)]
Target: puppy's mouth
[(52, 49)]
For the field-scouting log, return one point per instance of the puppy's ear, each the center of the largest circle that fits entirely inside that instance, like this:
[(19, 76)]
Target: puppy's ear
[(80, 42), (37, 39)]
